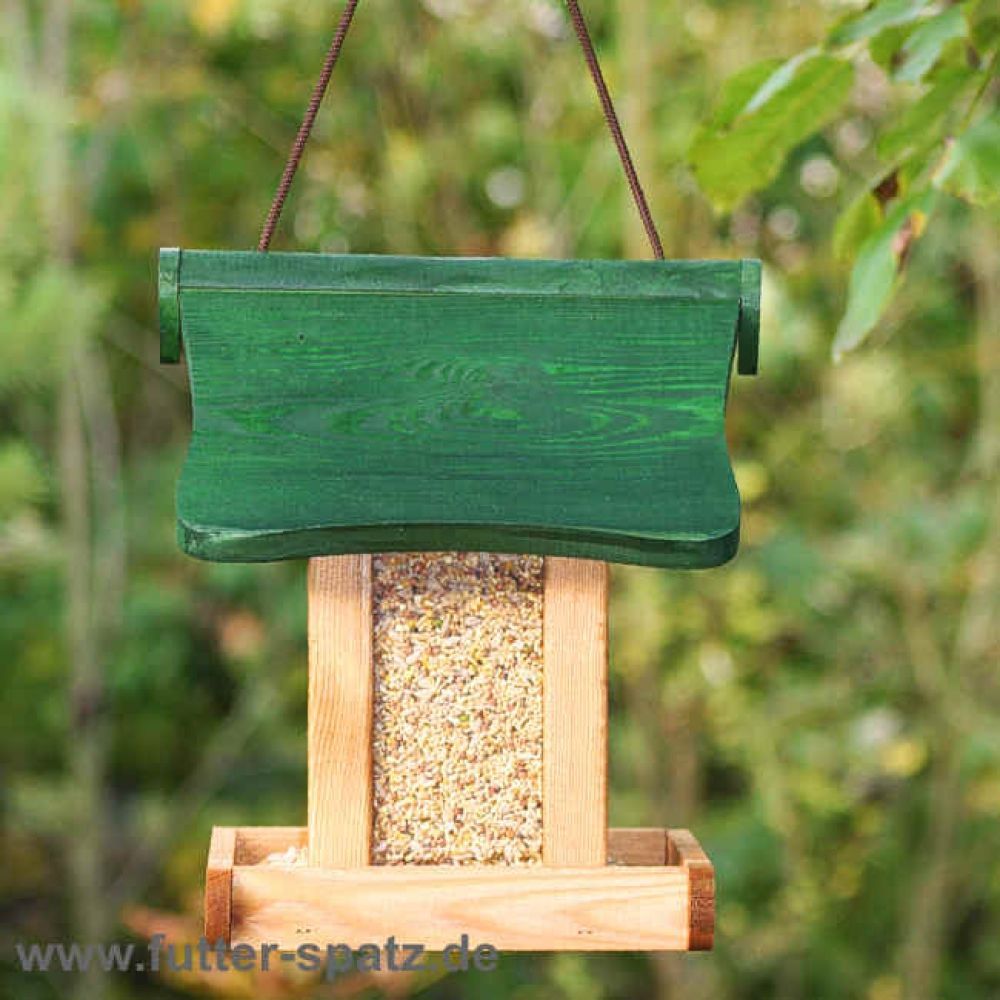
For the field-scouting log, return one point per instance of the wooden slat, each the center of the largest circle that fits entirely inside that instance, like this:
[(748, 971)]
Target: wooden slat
[(630, 846), (684, 850), (685, 281), (637, 846), (255, 843), (513, 908), (575, 692), (340, 711), (219, 883)]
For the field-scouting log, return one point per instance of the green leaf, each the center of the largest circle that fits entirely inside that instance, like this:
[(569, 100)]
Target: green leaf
[(876, 19), (763, 115), (923, 48), (855, 224), (877, 269), (971, 169), (984, 30), (918, 123), (885, 46), (739, 89)]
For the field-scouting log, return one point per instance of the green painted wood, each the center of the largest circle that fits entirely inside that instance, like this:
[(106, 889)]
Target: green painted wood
[(748, 332), (170, 307), (359, 404)]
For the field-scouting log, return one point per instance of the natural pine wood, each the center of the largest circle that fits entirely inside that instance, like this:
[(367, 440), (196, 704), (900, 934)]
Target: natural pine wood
[(254, 844), (514, 909), (219, 884), (364, 404), (340, 711), (630, 905), (627, 846), (684, 850), (575, 727), (637, 846)]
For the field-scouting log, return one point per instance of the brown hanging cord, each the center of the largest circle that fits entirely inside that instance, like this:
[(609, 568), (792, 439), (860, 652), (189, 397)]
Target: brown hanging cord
[(615, 127), (593, 64), (298, 147)]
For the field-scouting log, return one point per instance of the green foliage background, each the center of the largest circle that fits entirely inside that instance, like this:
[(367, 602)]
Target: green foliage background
[(823, 712)]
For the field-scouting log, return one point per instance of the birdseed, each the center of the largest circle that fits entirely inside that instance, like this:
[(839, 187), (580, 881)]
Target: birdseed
[(293, 857), (457, 735)]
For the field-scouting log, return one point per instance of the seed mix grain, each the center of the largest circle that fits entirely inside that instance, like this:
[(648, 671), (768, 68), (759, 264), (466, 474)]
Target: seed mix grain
[(457, 735)]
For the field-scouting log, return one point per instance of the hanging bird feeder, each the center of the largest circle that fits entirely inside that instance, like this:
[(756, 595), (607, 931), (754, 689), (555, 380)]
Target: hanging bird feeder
[(346, 406)]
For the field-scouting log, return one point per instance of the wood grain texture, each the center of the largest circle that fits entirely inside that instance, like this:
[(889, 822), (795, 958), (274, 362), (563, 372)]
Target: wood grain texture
[(615, 908), (361, 404), (637, 846), (219, 883), (748, 330), (340, 711), (254, 844), (575, 706), (626, 846), (170, 308), (657, 893), (684, 850)]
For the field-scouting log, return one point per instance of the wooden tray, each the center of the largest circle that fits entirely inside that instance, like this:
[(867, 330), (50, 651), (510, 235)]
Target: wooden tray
[(657, 893)]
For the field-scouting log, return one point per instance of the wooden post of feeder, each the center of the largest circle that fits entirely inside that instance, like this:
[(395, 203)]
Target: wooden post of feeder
[(575, 728), (340, 711)]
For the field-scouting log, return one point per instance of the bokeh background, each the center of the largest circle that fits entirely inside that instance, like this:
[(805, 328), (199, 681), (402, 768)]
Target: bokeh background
[(824, 712)]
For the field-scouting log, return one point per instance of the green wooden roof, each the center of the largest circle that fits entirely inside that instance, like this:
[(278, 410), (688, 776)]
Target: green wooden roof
[(349, 403)]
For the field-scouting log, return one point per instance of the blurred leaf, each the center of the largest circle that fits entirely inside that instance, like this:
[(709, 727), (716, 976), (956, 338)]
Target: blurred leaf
[(56, 306), (984, 28), (855, 224), (876, 19), (739, 89), (745, 143), (877, 268), (971, 169), (919, 122), (22, 480), (923, 48), (885, 46)]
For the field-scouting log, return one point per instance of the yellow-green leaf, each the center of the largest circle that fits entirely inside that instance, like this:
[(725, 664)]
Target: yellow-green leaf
[(923, 48), (877, 269), (876, 19), (919, 121), (855, 224), (746, 141), (971, 169)]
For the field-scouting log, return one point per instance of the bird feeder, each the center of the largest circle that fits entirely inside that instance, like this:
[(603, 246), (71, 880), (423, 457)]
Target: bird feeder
[(346, 406)]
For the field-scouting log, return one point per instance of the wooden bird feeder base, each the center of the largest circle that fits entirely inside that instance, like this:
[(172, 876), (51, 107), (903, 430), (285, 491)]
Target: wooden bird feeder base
[(595, 889), (656, 893)]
